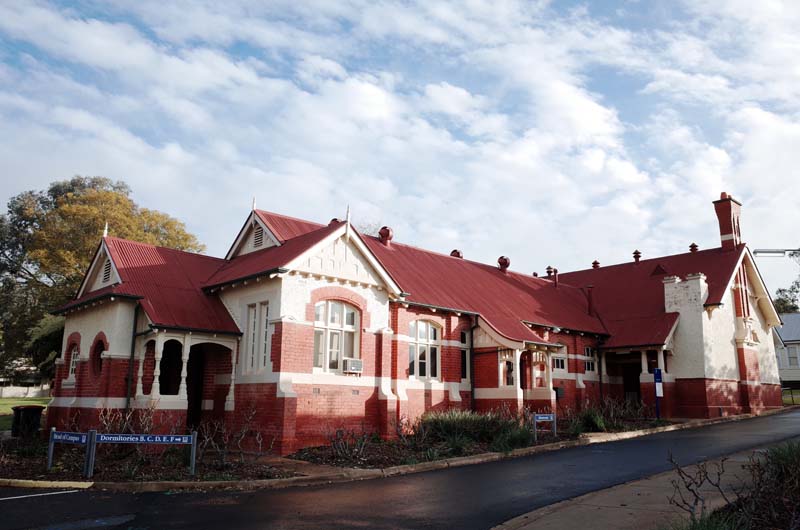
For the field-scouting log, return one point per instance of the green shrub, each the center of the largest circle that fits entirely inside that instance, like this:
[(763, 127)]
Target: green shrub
[(480, 427)]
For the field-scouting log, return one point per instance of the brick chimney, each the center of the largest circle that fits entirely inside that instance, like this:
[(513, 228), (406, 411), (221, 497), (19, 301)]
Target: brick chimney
[(728, 211)]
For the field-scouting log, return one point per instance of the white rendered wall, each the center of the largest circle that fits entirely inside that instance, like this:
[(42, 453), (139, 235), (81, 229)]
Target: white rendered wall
[(691, 338), (767, 362), (115, 319), (722, 360)]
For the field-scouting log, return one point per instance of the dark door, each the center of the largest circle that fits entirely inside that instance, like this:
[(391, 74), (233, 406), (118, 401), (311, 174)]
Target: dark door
[(194, 388), (630, 381)]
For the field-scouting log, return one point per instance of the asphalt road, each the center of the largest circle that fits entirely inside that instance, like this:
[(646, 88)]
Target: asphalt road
[(477, 496)]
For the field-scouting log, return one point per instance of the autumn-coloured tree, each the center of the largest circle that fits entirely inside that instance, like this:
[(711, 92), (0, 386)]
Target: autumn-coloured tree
[(47, 239)]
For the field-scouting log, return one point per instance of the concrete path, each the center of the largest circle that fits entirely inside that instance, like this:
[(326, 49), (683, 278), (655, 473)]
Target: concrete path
[(638, 505)]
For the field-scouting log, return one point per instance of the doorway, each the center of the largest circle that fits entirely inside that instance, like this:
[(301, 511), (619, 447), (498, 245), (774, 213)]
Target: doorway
[(630, 382)]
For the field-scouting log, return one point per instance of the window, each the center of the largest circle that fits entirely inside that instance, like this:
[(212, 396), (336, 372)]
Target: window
[(506, 368), (258, 345), (336, 334), (265, 342), (423, 351), (252, 336), (792, 356), (559, 363), (96, 358), (74, 354), (258, 237), (465, 364), (588, 366), (107, 271), (588, 351)]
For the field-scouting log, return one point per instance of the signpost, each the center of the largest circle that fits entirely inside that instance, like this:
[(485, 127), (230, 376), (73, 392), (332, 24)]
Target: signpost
[(658, 378), (544, 418), (92, 438)]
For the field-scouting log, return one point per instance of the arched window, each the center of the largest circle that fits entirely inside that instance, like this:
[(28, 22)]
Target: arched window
[(423, 350), (96, 359), (74, 355), (336, 335)]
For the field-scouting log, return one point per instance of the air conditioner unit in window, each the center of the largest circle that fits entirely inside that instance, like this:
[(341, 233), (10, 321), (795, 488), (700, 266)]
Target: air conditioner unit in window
[(352, 366)]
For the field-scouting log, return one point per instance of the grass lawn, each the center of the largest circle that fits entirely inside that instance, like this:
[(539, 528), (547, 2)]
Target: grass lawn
[(6, 414), (787, 397)]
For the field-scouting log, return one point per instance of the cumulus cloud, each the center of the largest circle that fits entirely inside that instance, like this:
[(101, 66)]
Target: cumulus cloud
[(552, 135)]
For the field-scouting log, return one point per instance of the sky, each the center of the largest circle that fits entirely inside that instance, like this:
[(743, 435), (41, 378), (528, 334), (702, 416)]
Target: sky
[(554, 133)]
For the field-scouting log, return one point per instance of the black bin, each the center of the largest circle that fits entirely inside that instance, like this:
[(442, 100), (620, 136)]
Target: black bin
[(27, 420)]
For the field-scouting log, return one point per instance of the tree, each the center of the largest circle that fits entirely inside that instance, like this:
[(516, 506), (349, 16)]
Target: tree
[(47, 239), (787, 300)]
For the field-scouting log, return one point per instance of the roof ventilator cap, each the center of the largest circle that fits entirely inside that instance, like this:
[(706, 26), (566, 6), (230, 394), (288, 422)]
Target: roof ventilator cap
[(457, 253), (595, 264), (637, 256), (693, 247), (503, 262), (386, 234)]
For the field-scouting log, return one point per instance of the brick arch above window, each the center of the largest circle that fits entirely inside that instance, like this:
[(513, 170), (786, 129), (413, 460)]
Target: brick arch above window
[(341, 294), (99, 345)]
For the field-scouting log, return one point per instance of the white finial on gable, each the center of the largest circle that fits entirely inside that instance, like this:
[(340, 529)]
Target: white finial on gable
[(105, 230), (254, 203), (347, 220)]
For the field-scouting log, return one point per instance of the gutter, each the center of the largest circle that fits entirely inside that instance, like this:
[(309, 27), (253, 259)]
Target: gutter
[(472, 363), (193, 330), (70, 306), (277, 270)]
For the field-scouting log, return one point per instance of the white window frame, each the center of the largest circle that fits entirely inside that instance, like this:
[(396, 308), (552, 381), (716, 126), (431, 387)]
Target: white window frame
[(425, 336), (589, 365), (257, 344), (465, 352), (330, 335), (558, 360), (503, 358), (796, 356), (74, 358)]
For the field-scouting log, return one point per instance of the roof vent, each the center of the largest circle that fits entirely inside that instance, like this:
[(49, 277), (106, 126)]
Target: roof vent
[(693, 247), (258, 236), (386, 234), (658, 271), (334, 220), (555, 277), (637, 256), (595, 264), (107, 271), (549, 270), (503, 262), (535, 274), (457, 253)]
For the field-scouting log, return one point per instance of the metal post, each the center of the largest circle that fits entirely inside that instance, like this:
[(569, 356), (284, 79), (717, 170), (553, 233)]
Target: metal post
[(193, 454), (555, 424), (51, 448), (534, 428), (658, 410), (90, 453)]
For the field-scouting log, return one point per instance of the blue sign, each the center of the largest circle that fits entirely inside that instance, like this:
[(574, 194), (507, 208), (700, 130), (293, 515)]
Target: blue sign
[(171, 439), (543, 417), (657, 375), (70, 437)]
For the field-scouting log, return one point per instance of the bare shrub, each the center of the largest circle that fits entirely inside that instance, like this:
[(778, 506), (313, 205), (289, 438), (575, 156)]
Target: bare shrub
[(348, 445)]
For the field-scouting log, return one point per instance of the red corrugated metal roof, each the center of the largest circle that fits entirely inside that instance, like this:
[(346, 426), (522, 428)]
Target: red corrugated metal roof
[(268, 259), (630, 296), (285, 227), (169, 283), (504, 300)]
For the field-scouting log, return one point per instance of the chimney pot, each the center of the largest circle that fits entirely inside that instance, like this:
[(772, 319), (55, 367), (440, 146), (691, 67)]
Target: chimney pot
[(637, 256), (503, 262), (555, 277), (693, 247), (386, 234), (595, 264), (457, 253)]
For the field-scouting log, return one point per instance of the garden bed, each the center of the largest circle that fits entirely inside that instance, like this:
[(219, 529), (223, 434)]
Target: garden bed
[(27, 459)]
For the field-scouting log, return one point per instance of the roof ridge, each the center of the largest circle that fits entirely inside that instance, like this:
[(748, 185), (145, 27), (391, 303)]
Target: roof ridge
[(150, 245), (652, 260), (290, 217)]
